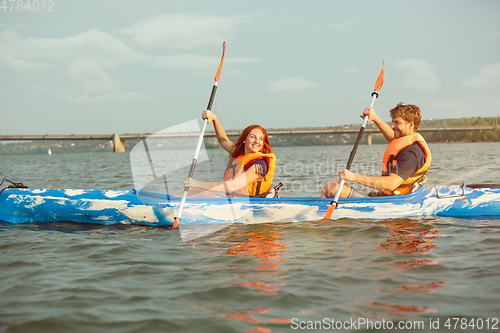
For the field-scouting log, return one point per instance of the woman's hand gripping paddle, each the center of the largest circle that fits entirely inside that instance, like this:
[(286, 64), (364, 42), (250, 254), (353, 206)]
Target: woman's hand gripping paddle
[(177, 219), (378, 86)]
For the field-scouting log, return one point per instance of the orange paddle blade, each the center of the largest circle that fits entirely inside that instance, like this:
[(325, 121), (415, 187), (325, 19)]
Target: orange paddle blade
[(221, 62), (176, 223), (380, 79), (329, 212)]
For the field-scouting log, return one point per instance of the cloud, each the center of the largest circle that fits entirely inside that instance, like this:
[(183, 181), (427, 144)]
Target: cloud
[(292, 84), (87, 59), (183, 30), (194, 61), (92, 44), (341, 26), (21, 64), (184, 60), (241, 60), (92, 77), (344, 25), (495, 34), (77, 96), (418, 74), (288, 18), (488, 78), (444, 104)]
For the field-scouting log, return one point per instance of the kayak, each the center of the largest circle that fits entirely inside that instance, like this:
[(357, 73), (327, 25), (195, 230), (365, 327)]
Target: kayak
[(154, 209)]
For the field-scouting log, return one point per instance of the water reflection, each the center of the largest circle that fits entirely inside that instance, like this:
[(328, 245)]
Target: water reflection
[(424, 288), (260, 252), (387, 310), (263, 246), (266, 244), (407, 237), (410, 236)]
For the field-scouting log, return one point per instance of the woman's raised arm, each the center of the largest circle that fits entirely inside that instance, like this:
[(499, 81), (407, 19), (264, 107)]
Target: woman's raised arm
[(219, 131)]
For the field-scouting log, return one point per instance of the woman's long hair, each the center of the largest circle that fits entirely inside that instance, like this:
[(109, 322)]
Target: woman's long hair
[(239, 146)]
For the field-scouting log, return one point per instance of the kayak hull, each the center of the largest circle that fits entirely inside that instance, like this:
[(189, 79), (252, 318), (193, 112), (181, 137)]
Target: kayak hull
[(149, 208)]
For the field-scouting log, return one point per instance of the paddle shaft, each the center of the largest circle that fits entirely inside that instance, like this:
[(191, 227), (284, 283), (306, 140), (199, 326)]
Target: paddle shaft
[(197, 151), (200, 139), (354, 150), (202, 134)]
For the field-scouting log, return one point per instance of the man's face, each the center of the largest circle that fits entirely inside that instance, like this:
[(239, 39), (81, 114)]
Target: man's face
[(401, 127)]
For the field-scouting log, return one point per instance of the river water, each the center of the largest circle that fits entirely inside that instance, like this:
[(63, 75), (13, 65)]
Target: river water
[(409, 274)]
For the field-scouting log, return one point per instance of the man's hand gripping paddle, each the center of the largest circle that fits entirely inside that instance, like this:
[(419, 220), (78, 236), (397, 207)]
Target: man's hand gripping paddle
[(378, 86), (177, 219)]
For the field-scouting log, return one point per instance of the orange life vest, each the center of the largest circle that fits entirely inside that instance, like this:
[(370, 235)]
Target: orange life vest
[(390, 161), (240, 164)]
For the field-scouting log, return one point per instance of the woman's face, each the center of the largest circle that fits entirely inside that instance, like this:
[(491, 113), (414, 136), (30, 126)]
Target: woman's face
[(254, 141)]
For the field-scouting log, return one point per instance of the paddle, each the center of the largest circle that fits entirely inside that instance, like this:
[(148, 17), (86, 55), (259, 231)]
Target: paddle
[(378, 86), (177, 219)]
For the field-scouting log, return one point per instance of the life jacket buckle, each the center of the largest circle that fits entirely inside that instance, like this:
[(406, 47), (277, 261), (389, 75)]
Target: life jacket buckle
[(273, 193), (418, 183)]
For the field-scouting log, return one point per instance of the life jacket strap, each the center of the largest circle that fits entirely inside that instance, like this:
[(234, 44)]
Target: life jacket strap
[(257, 190), (233, 167), (421, 174), (389, 164)]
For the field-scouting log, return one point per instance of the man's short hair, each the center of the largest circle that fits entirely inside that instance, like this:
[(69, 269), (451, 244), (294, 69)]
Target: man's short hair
[(408, 112)]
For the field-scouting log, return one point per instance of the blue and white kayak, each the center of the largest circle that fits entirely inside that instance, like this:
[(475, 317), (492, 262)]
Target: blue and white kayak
[(149, 208)]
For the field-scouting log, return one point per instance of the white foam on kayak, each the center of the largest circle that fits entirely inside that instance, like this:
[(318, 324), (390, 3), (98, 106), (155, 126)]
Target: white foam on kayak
[(106, 204), (114, 193), (31, 201), (37, 201), (73, 192), (141, 213)]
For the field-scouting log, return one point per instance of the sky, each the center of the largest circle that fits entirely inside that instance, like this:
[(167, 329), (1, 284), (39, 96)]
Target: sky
[(119, 66)]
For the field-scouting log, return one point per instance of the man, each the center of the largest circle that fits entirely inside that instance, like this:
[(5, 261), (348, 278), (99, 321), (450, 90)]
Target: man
[(406, 159)]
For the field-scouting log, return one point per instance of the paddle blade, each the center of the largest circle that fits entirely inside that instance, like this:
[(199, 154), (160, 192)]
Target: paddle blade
[(176, 223), (380, 79), (329, 212), (221, 62)]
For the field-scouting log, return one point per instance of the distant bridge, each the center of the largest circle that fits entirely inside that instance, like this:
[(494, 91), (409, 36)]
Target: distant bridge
[(119, 139)]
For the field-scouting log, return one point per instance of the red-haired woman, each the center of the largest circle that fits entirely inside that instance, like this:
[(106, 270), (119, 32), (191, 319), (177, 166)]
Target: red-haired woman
[(250, 170)]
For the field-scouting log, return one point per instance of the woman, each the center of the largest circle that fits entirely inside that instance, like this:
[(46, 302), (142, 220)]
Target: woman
[(250, 170)]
